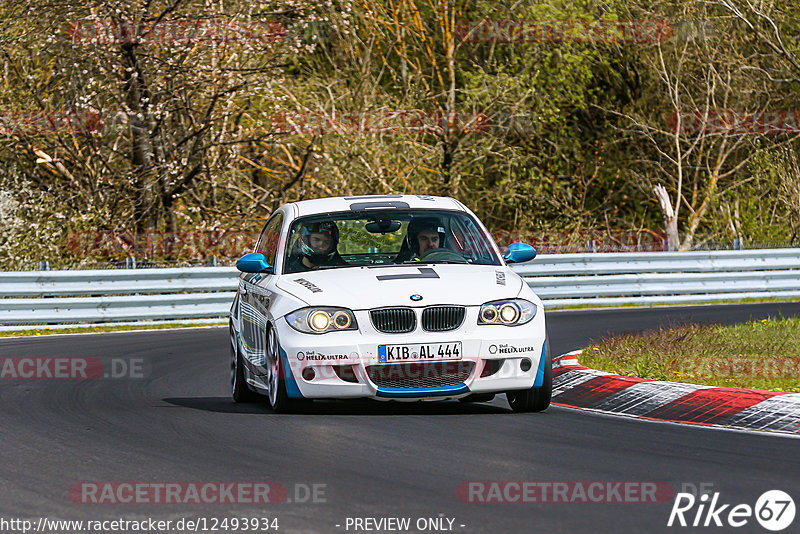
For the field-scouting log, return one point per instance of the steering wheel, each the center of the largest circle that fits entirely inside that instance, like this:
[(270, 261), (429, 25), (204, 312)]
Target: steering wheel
[(442, 254)]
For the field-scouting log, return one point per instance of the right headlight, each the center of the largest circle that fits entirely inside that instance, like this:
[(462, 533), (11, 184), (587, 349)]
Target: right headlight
[(318, 320), (510, 312)]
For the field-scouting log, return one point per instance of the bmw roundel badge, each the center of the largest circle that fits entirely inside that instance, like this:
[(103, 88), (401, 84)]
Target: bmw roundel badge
[(416, 298)]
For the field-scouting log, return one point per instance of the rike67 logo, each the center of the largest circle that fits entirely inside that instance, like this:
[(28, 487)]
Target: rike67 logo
[(774, 510)]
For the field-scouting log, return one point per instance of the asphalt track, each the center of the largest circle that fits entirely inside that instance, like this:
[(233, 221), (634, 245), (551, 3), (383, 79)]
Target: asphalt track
[(376, 460)]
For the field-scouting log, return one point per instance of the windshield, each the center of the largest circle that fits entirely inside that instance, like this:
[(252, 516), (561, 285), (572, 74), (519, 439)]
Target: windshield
[(378, 237)]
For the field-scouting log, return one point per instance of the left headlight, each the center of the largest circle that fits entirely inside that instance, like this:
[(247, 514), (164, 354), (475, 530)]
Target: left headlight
[(319, 320), (511, 312)]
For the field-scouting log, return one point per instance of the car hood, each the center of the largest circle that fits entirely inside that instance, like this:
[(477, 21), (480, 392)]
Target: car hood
[(360, 288)]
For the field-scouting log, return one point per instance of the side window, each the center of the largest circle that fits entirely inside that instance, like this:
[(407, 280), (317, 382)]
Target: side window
[(270, 237)]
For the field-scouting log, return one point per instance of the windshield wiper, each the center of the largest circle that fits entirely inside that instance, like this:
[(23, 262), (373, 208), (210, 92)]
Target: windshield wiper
[(423, 262), (322, 267)]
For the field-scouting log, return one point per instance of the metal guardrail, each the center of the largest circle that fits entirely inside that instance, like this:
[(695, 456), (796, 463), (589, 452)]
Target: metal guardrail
[(663, 277), (105, 296)]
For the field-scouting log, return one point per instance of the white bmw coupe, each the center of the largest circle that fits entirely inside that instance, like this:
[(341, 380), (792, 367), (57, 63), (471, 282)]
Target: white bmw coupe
[(390, 297)]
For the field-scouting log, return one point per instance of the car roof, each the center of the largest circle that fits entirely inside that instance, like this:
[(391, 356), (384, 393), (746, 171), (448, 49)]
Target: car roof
[(367, 202)]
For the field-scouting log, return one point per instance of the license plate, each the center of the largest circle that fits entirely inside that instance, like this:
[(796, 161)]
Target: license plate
[(427, 352)]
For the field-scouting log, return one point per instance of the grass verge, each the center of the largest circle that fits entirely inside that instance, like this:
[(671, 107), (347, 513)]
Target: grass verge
[(110, 328), (760, 355)]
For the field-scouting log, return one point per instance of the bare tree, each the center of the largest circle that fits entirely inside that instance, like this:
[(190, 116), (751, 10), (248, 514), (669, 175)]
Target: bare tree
[(699, 134), (183, 91)]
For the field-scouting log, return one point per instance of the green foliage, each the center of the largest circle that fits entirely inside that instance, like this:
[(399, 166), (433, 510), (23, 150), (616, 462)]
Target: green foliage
[(577, 130), (760, 354)]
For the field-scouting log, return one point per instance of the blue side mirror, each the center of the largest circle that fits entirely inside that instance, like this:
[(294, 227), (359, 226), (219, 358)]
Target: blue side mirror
[(254, 262), (519, 252)]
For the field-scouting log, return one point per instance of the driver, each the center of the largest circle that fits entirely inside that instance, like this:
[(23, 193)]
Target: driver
[(317, 247), (423, 234)]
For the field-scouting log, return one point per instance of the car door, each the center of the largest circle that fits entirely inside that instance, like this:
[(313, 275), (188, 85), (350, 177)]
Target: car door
[(255, 299)]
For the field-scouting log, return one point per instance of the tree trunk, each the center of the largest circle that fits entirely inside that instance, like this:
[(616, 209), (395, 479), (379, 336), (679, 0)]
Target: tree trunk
[(670, 217), (141, 150)]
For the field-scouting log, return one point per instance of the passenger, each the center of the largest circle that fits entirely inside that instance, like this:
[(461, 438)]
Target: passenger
[(317, 247)]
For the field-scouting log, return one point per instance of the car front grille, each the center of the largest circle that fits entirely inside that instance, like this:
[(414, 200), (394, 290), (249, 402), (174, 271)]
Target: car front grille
[(442, 318), (420, 375), (394, 320), (404, 320)]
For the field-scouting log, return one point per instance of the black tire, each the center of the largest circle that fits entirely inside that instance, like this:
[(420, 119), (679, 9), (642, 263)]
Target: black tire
[(240, 391), (279, 401), (478, 397), (535, 399)]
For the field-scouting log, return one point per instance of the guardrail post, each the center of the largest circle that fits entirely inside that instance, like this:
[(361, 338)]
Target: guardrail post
[(130, 262), (737, 244), (212, 261), (44, 265), (665, 244)]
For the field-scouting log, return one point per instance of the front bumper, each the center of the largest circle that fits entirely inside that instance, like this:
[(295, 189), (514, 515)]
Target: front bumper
[(494, 359)]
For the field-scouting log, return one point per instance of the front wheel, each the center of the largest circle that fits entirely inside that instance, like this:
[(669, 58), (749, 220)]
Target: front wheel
[(279, 400), (535, 399), (239, 389)]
